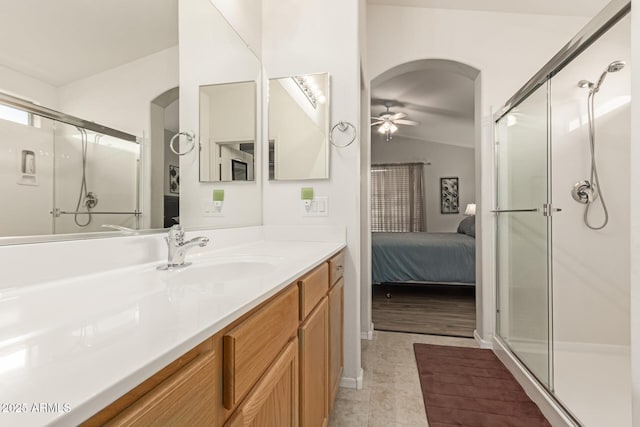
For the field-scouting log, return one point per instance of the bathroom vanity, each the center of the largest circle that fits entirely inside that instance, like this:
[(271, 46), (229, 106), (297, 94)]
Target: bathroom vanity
[(280, 362), (249, 334)]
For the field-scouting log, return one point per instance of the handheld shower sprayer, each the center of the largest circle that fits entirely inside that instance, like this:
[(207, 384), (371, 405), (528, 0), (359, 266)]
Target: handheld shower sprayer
[(587, 191), (614, 67)]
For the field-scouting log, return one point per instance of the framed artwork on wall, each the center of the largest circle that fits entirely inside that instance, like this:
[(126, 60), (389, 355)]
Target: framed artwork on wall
[(449, 196), (238, 170), (174, 179)]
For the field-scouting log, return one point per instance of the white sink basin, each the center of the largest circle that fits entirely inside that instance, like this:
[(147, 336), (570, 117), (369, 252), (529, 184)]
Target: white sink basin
[(224, 269)]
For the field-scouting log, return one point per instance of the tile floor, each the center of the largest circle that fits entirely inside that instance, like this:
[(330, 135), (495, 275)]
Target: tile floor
[(391, 396)]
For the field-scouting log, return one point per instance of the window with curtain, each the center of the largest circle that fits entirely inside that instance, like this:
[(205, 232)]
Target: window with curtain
[(397, 198)]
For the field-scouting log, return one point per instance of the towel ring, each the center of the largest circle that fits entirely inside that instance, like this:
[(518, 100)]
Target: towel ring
[(190, 137), (342, 127)]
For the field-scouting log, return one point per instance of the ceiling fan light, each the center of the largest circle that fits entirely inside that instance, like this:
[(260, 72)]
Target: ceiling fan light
[(384, 127), (393, 128)]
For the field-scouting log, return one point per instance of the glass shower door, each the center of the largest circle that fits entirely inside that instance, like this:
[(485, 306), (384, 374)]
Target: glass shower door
[(523, 316)]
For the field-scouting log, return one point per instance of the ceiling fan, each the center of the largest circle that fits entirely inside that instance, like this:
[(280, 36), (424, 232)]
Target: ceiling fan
[(388, 122)]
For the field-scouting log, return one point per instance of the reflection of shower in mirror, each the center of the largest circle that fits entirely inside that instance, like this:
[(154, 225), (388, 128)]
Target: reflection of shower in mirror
[(86, 198)]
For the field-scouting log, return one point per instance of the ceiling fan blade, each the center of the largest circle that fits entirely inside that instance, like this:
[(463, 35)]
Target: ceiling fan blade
[(377, 123), (406, 122), (377, 118), (397, 116)]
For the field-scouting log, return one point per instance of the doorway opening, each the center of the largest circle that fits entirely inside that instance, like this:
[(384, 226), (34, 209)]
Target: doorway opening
[(424, 137), (165, 180)]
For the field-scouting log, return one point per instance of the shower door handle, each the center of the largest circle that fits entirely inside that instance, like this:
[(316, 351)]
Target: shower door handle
[(515, 210)]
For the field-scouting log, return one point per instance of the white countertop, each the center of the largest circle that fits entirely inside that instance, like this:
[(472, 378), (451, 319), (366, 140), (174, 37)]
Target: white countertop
[(84, 342)]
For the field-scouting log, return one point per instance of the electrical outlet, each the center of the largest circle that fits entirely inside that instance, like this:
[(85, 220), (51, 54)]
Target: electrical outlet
[(211, 208), (319, 206)]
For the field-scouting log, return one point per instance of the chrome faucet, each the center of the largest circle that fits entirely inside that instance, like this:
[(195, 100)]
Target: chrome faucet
[(178, 247)]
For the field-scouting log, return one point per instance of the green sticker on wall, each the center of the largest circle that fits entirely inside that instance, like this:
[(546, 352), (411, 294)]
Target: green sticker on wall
[(306, 193), (218, 195)]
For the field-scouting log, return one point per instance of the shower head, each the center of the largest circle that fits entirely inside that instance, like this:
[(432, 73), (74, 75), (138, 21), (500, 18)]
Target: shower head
[(616, 66)]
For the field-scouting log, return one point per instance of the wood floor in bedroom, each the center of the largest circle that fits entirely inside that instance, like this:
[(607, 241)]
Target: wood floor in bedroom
[(425, 309)]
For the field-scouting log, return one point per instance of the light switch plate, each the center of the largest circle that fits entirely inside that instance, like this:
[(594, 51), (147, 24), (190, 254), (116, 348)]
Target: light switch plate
[(319, 207), (211, 208)]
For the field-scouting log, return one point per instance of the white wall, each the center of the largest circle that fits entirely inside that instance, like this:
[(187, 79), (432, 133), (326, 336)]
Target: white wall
[(212, 53), (322, 36), (365, 176), (446, 161), (29, 88), (507, 49), (245, 16), (120, 97), (634, 160)]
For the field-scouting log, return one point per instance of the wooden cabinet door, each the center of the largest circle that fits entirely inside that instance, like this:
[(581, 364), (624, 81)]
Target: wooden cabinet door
[(336, 336), (314, 367), (273, 402), (185, 398), (251, 347)]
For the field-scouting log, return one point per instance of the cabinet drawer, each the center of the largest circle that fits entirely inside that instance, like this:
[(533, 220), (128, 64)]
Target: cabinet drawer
[(274, 400), (252, 346), (336, 268), (313, 287), (185, 398)]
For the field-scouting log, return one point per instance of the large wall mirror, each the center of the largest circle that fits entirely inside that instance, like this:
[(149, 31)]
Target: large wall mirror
[(219, 101), (87, 114), (227, 132), (299, 127)]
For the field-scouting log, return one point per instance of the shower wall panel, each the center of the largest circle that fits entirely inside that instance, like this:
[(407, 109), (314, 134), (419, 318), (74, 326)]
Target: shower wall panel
[(111, 173), (591, 287), (26, 208)]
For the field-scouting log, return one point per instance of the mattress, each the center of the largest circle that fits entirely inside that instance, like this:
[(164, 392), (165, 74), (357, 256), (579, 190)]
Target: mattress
[(423, 257)]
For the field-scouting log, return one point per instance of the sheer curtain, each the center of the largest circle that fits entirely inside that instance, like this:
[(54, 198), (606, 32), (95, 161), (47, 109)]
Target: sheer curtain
[(397, 198)]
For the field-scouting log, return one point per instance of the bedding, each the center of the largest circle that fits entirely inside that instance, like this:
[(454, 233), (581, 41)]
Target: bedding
[(423, 257)]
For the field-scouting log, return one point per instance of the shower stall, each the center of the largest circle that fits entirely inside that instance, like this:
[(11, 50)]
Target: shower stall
[(562, 147), (61, 174)]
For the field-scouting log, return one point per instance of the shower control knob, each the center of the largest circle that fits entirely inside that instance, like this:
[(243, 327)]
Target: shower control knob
[(91, 200), (583, 192)]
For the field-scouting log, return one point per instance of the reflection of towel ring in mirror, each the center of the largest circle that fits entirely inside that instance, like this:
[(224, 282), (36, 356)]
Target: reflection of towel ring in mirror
[(342, 127), (190, 138)]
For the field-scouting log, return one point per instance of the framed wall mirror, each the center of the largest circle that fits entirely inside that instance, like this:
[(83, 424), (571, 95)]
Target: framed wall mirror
[(227, 132), (299, 118)]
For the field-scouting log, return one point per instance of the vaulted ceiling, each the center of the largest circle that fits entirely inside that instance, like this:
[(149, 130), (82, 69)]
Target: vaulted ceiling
[(438, 94)]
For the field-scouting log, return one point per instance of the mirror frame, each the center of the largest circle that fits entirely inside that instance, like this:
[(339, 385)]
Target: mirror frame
[(328, 124)]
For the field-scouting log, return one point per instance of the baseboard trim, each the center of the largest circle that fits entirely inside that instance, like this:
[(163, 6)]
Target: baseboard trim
[(351, 382), (551, 409), (482, 343), (367, 335)]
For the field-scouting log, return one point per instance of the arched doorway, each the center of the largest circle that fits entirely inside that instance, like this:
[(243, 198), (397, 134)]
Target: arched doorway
[(165, 206), (443, 97)]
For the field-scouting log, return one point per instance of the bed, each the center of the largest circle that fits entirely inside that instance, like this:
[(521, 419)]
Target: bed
[(424, 257)]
